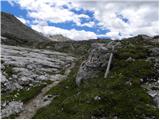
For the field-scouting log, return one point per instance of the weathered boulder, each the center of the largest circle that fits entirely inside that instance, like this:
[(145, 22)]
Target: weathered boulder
[(96, 62)]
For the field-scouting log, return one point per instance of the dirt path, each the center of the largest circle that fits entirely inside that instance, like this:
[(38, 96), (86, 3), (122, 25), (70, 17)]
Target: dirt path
[(37, 102)]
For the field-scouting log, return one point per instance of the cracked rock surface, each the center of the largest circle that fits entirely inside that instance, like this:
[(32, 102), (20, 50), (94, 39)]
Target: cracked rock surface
[(24, 67)]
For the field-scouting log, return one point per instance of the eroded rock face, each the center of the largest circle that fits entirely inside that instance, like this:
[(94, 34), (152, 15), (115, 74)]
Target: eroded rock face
[(24, 66), (96, 62)]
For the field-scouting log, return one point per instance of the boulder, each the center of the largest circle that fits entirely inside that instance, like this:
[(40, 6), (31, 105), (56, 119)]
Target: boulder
[(130, 59), (96, 62)]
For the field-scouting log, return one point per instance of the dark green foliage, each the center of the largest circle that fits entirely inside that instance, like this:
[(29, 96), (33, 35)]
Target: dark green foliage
[(75, 48), (8, 70), (136, 52)]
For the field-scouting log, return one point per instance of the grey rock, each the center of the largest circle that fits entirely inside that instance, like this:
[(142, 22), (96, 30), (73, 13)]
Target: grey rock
[(128, 83), (130, 59), (153, 91), (30, 66), (96, 62), (97, 98), (154, 51), (13, 107), (156, 100)]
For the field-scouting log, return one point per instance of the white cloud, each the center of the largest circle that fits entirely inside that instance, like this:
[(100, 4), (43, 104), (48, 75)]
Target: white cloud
[(11, 2), (51, 10), (89, 24), (142, 16), (72, 34)]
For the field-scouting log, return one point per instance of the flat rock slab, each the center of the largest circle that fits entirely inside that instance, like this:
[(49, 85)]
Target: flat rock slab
[(23, 66)]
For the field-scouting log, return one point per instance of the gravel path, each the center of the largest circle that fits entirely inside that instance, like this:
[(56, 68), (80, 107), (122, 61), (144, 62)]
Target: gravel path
[(34, 104)]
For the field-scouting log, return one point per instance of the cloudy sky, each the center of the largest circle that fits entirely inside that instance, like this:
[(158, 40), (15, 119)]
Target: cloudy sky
[(87, 19)]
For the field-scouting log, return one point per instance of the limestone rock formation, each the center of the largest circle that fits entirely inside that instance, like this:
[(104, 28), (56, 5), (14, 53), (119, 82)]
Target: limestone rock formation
[(96, 62), (24, 66)]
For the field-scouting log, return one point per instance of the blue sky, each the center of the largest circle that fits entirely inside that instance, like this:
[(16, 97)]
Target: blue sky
[(22, 13), (82, 20)]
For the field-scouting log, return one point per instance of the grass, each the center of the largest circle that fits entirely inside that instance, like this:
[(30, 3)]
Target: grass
[(8, 70), (23, 95), (117, 97)]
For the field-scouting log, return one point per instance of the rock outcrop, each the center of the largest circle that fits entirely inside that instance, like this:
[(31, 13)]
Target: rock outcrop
[(24, 66), (96, 62)]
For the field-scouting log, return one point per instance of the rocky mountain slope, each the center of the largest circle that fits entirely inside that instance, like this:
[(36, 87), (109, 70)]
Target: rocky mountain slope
[(52, 79), (18, 33)]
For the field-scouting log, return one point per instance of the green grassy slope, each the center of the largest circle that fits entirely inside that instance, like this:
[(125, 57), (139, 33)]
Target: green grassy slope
[(118, 96)]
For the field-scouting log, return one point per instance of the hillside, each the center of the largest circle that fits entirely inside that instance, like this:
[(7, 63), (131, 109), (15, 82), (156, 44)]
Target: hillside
[(17, 33), (47, 79), (130, 91)]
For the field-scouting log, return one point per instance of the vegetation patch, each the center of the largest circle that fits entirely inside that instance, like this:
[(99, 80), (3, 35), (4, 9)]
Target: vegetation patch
[(25, 94), (118, 96), (8, 70)]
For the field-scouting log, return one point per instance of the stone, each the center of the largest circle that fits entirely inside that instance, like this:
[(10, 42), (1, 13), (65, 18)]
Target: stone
[(31, 66), (156, 100), (13, 107), (97, 98), (153, 91), (154, 51), (96, 62), (128, 83), (141, 80), (130, 59)]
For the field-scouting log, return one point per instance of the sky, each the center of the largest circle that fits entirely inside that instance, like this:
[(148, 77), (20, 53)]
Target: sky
[(87, 19)]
